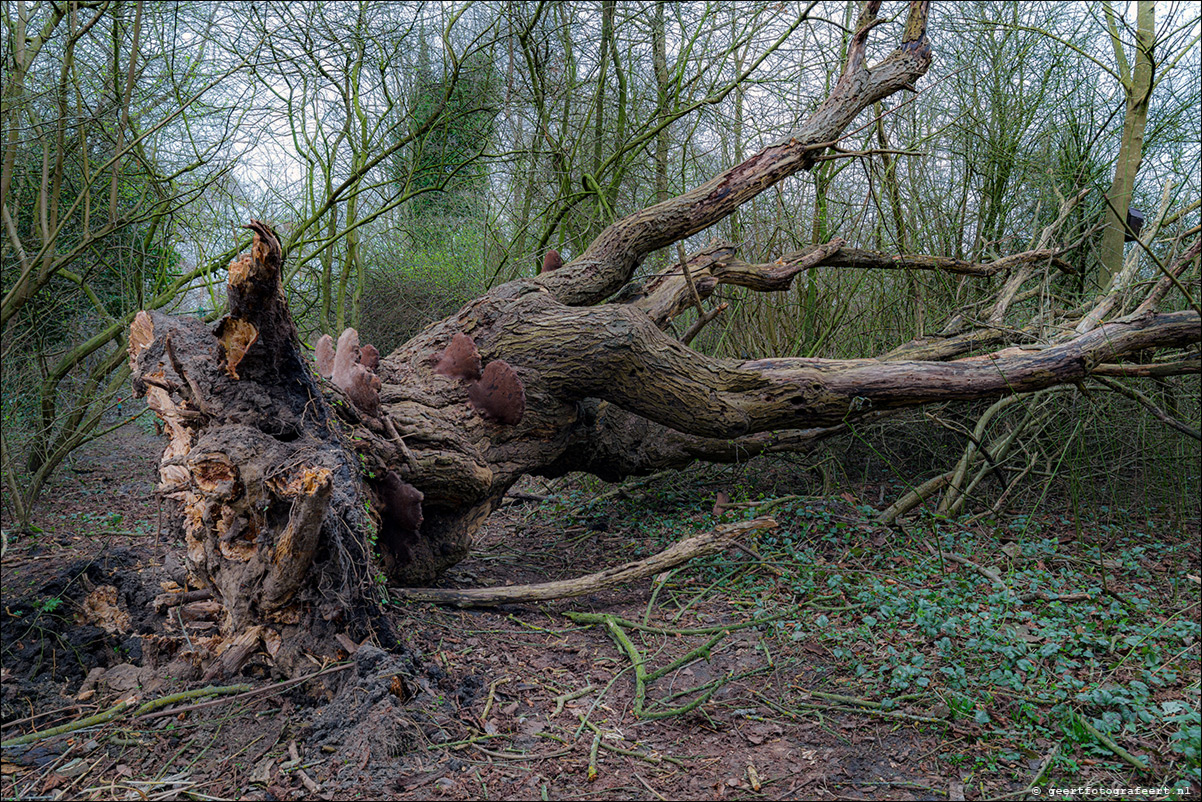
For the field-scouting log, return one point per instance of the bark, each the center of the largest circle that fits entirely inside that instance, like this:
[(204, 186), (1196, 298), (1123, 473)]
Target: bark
[(279, 480)]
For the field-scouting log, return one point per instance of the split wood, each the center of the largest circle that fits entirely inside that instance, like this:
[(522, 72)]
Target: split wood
[(701, 545)]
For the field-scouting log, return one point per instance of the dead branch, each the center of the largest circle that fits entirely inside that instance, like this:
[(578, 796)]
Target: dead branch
[(1152, 370), (707, 543), (1150, 405), (167, 600)]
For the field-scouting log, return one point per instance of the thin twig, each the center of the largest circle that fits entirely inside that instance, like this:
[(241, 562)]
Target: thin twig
[(1110, 743), (36, 716), (71, 726), (563, 698), (688, 276), (1039, 772), (264, 691), (647, 785), (520, 755), (592, 755), (702, 321), (654, 760)]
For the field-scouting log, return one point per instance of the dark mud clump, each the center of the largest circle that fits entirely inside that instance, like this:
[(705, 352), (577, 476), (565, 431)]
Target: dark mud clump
[(90, 614)]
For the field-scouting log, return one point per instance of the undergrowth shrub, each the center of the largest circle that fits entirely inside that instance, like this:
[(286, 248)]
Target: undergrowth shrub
[(427, 275)]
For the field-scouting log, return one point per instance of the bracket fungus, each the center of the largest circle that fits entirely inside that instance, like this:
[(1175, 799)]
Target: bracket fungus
[(460, 360), (369, 357), (498, 395), (402, 504), (360, 384), (323, 354)]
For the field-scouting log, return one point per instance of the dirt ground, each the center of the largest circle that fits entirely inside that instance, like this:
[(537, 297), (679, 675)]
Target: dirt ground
[(513, 703)]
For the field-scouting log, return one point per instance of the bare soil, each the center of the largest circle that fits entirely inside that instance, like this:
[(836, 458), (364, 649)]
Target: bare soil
[(511, 703)]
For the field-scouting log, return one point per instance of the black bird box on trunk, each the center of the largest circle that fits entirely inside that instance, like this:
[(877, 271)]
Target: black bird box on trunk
[(1135, 223)]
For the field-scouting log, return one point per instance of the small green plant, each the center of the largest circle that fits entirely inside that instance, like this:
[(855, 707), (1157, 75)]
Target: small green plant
[(48, 605), (1187, 740), (1008, 657)]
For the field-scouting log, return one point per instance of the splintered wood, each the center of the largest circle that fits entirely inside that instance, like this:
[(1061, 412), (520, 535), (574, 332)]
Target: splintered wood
[(237, 336)]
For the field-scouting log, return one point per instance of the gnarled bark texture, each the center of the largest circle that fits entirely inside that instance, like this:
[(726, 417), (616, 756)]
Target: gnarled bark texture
[(269, 467), (256, 474)]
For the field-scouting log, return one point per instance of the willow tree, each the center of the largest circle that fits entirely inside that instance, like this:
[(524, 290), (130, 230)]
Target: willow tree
[(290, 481)]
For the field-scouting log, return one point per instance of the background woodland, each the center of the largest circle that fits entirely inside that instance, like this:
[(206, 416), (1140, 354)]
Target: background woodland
[(413, 155)]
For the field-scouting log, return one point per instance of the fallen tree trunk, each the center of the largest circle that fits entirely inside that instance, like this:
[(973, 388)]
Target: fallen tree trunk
[(288, 481)]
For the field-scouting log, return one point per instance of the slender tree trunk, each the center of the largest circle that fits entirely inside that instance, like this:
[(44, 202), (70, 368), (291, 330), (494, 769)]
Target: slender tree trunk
[(659, 61), (1137, 86), (900, 239)]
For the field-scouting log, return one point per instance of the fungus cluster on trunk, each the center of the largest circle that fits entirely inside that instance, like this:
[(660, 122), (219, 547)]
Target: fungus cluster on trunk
[(460, 360), (400, 516), (351, 369), (552, 261), (495, 392), (498, 395)]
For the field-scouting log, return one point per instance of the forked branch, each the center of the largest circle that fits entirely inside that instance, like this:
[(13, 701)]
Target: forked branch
[(610, 260)]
